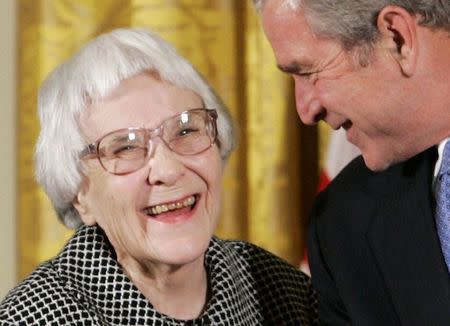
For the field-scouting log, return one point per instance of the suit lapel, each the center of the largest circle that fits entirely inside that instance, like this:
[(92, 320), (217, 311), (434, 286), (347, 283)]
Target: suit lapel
[(405, 245)]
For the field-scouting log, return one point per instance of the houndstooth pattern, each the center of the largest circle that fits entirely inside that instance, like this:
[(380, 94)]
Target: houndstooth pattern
[(84, 285), (443, 204)]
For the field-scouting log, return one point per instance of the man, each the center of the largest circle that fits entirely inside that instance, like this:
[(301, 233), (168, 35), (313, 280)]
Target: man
[(380, 70)]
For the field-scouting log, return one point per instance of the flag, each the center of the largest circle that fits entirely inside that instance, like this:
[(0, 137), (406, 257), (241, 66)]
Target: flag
[(339, 153)]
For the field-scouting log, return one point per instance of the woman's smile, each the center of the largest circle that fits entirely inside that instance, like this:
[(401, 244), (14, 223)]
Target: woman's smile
[(174, 211)]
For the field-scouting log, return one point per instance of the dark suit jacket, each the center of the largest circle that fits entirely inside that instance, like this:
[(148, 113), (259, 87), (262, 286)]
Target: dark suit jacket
[(373, 248)]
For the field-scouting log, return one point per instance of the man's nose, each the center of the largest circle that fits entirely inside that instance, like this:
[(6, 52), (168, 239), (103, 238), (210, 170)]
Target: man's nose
[(307, 102)]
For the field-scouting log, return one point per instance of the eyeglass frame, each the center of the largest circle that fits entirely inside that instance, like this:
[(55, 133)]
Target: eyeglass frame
[(93, 148)]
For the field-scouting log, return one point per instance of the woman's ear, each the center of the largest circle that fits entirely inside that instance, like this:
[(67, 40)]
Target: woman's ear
[(398, 32), (81, 203)]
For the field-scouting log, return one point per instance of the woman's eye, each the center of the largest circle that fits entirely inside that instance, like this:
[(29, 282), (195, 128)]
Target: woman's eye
[(186, 131), (125, 149)]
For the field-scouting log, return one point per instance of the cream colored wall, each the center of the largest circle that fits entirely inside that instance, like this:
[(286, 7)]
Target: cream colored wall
[(7, 152)]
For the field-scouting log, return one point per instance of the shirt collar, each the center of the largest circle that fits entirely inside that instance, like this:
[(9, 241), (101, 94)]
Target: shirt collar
[(439, 161)]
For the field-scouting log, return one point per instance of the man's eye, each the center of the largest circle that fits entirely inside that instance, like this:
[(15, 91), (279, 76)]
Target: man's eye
[(310, 76), (306, 74)]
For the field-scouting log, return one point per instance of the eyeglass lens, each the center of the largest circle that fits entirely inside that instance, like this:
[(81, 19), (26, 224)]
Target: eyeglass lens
[(127, 150)]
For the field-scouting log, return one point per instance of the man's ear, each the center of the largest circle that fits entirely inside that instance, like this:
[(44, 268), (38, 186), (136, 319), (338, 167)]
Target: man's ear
[(81, 203), (398, 30)]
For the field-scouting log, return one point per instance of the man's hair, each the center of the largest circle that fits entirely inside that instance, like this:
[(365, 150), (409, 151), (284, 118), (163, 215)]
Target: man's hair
[(353, 22), (87, 78)]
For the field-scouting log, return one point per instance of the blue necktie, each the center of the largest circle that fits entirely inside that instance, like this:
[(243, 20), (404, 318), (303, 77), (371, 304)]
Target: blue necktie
[(443, 204)]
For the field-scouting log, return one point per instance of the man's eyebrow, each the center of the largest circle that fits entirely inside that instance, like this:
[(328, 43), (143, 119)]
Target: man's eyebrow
[(294, 68)]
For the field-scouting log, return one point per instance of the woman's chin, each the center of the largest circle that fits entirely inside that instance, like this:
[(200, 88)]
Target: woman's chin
[(181, 251)]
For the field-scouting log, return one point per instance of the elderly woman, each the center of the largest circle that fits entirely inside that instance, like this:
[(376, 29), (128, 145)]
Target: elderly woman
[(131, 153)]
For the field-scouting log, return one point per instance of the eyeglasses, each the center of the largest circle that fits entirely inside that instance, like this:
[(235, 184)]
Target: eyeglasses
[(127, 150)]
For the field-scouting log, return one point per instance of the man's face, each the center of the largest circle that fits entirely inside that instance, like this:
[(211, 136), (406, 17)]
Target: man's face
[(331, 85)]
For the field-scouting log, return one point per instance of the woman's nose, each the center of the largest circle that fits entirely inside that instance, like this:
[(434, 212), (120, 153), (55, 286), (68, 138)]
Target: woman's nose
[(165, 166), (307, 102)]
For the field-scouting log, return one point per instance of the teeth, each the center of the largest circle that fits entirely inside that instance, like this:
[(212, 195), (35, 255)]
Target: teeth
[(189, 201), (158, 209)]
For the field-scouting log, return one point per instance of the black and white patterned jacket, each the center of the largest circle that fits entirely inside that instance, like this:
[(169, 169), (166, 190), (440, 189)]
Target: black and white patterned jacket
[(85, 285)]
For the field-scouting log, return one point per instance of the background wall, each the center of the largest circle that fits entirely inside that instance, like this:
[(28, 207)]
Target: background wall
[(7, 135)]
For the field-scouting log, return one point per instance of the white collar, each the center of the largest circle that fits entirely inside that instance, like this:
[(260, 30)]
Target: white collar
[(440, 153)]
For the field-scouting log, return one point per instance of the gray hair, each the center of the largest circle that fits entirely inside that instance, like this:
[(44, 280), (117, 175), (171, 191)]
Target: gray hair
[(353, 22), (90, 76), (293, 4)]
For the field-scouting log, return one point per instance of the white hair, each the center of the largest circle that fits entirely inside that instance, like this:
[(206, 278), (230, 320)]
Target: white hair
[(91, 75)]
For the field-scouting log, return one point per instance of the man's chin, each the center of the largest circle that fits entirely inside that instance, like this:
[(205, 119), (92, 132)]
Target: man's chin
[(376, 164)]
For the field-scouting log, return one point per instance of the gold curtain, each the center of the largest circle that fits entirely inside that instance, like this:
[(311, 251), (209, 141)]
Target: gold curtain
[(269, 180)]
